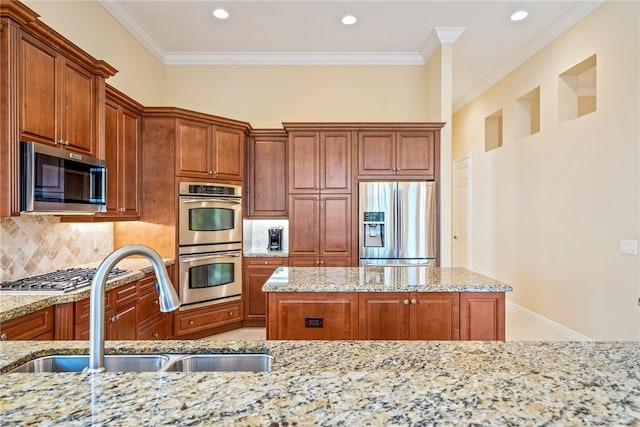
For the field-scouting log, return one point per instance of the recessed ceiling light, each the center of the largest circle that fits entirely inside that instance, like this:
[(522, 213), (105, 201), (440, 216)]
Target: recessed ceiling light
[(349, 20), (519, 15), (221, 14)]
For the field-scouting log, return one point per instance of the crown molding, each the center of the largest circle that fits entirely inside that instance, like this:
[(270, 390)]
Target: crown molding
[(293, 58), (448, 35), (135, 27), (578, 11)]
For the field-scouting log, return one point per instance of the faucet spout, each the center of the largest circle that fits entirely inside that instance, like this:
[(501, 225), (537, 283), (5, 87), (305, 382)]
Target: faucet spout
[(169, 300)]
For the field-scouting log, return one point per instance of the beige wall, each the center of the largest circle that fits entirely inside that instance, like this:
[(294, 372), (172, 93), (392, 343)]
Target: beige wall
[(266, 96), (93, 29), (549, 209)]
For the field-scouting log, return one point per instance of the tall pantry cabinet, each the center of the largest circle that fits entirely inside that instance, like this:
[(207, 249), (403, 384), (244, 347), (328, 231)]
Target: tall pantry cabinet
[(320, 203)]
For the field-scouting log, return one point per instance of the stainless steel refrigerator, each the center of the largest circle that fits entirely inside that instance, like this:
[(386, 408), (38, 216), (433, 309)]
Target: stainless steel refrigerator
[(397, 223)]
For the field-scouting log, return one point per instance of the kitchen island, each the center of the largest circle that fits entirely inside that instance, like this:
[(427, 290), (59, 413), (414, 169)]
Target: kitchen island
[(339, 383), (426, 303)]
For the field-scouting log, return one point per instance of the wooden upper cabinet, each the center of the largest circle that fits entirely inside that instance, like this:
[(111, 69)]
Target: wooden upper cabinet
[(123, 155), (397, 153), (58, 99), (267, 174), (204, 150), (320, 161)]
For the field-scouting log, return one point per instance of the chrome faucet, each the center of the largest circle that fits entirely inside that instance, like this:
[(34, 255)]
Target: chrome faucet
[(168, 298)]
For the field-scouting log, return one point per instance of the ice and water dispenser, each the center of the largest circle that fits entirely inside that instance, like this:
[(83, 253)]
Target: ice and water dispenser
[(373, 223)]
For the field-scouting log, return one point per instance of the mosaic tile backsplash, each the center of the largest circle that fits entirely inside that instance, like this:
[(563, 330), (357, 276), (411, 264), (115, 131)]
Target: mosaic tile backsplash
[(32, 245)]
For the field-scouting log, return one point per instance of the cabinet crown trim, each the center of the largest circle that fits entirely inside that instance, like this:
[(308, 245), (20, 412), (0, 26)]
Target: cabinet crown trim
[(289, 126)]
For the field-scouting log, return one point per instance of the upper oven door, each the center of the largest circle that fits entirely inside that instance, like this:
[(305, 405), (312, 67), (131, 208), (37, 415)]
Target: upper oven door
[(209, 220)]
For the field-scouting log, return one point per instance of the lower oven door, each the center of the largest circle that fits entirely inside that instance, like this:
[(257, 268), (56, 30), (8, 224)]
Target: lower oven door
[(210, 277)]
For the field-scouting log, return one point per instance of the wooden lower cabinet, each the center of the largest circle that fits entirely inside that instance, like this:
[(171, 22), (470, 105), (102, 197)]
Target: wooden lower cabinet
[(482, 316), (33, 326), (313, 316), (386, 316), (203, 319), (256, 272), (413, 316)]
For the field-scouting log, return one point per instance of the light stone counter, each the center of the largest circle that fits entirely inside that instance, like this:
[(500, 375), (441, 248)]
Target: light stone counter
[(16, 305), (380, 279), (257, 253), (349, 383)]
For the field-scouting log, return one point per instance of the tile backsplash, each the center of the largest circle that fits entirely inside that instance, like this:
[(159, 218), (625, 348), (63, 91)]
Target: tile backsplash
[(32, 245)]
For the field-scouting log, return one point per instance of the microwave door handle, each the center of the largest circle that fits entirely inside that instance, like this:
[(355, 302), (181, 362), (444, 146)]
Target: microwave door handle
[(210, 199)]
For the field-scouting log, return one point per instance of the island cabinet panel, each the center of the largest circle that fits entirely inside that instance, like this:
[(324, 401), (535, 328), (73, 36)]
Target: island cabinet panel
[(256, 272), (313, 316), (384, 316), (414, 315), (399, 154), (152, 323), (33, 326), (267, 172), (482, 316)]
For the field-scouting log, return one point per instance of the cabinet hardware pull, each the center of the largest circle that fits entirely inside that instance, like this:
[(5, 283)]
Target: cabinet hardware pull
[(156, 335), (231, 313), (413, 301), (155, 302), (405, 302), (266, 263), (3, 337), (191, 322)]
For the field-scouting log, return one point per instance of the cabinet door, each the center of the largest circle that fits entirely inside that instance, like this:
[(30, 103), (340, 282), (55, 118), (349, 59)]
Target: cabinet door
[(267, 181), (304, 151), (482, 316), (435, 316), (335, 158), (256, 272), (376, 153), (39, 110), (335, 229), (78, 106), (313, 316), (129, 164), (193, 150), (28, 327), (123, 325), (384, 316), (228, 153), (415, 153), (304, 225)]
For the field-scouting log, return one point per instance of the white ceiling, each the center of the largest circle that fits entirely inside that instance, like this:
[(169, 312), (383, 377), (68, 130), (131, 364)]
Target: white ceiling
[(387, 32)]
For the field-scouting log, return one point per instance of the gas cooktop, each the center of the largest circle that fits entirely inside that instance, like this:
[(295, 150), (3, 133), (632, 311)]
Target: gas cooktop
[(57, 282)]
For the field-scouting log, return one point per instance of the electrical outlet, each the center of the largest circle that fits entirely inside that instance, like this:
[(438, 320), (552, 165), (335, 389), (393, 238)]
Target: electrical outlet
[(97, 242), (629, 247)]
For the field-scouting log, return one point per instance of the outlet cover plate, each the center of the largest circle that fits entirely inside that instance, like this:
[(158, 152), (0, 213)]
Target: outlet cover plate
[(629, 247)]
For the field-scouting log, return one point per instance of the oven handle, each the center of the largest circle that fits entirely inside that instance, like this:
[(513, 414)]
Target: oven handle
[(199, 258), (210, 199)]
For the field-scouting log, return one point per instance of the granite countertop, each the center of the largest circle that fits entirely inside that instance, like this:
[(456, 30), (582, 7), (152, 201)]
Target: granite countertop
[(380, 279), (339, 383), (259, 253), (16, 305)]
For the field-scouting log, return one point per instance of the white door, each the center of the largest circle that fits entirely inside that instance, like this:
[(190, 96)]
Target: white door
[(461, 243)]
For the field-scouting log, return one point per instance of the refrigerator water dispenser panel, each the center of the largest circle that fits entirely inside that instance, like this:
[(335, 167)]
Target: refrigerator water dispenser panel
[(373, 231)]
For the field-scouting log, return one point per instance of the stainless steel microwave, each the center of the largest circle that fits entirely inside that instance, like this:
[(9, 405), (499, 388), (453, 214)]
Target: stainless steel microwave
[(60, 181)]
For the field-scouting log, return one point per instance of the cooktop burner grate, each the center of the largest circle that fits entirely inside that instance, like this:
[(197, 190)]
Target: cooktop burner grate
[(59, 281)]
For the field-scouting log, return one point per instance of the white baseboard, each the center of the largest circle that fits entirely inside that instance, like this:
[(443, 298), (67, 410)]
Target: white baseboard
[(569, 334)]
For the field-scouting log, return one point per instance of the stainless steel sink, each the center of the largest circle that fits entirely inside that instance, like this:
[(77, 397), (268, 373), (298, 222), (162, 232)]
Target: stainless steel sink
[(226, 362), (112, 363), (220, 362)]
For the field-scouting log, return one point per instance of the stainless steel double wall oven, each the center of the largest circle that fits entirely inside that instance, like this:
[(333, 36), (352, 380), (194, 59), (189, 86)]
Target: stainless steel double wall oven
[(210, 242)]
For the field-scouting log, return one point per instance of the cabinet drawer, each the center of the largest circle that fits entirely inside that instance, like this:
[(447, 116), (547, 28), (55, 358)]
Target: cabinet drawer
[(207, 318), (147, 284), (125, 293), (265, 262), (148, 306), (83, 308), (28, 327), (156, 330)]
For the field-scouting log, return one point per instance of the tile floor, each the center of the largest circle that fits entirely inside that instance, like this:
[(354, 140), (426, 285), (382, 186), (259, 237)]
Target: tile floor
[(520, 327)]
